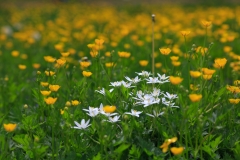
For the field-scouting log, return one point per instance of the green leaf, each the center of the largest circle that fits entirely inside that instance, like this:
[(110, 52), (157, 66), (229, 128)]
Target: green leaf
[(121, 148), (97, 157)]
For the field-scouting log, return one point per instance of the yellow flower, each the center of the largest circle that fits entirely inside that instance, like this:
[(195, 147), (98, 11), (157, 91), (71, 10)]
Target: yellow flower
[(61, 62), (195, 97), (206, 23), (109, 64), (15, 53), (166, 143), (109, 109), (234, 101), (220, 62), (54, 88), (49, 59), (233, 89), (108, 54), (176, 63), (58, 47), (143, 63), (124, 54), (68, 104), (49, 73), (61, 111), (85, 64), (174, 58), (207, 77), (22, 67), (75, 102), (176, 150), (94, 53), (165, 51), (158, 65), (195, 74), (99, 41), (24, 56), (175, 80), (86, 73), (36, 65), (44, 84), (185, 33), (10, 127), (236, 82), (201, 50), (65, 54), (50, 100), (194, 88), (208, 71), (45, 93)]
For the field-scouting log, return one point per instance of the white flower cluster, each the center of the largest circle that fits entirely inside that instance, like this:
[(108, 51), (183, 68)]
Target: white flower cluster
[(144, 98)]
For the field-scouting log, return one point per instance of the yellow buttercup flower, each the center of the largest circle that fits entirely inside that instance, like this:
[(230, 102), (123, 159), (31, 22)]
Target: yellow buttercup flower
[(195, 74), (54, 88), (49, 59), (166, 143), (75, 102), (207, 71), (176, 150), (175, 80), (44, 84), (65, 54), (234, 101), (50, 100), (185, 33), (22, 67), (158, 65), (85, 64), (195, 97), (15, 53), (61, 111), (36, 65), (49, 73), (45, 93), (86, 73), (94, 53), (61, 62), (124, 54), (206, 23), (194, 88), (109, 109), (165, 51), (109, 64), (9, 127), (174, 58), (176, 63), (220, 62), (207, 77), (99, 41), (143, 63)]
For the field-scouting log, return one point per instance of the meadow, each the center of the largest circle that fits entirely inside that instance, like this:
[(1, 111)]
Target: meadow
[(108, 82)]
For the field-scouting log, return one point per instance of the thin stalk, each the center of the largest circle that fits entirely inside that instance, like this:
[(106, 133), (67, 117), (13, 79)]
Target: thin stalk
[(153, 58)]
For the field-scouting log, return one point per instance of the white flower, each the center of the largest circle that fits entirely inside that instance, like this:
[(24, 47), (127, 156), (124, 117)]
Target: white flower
[(170, 96), (153, 80), (127, 85), (114, 119), (163, 78), (144, 74), (134, 113), (92, 111), (83, 124), (156, 92), (168, 103), (102, 91), (115, 84), (155, 114), (135, 80), (146, 99)]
